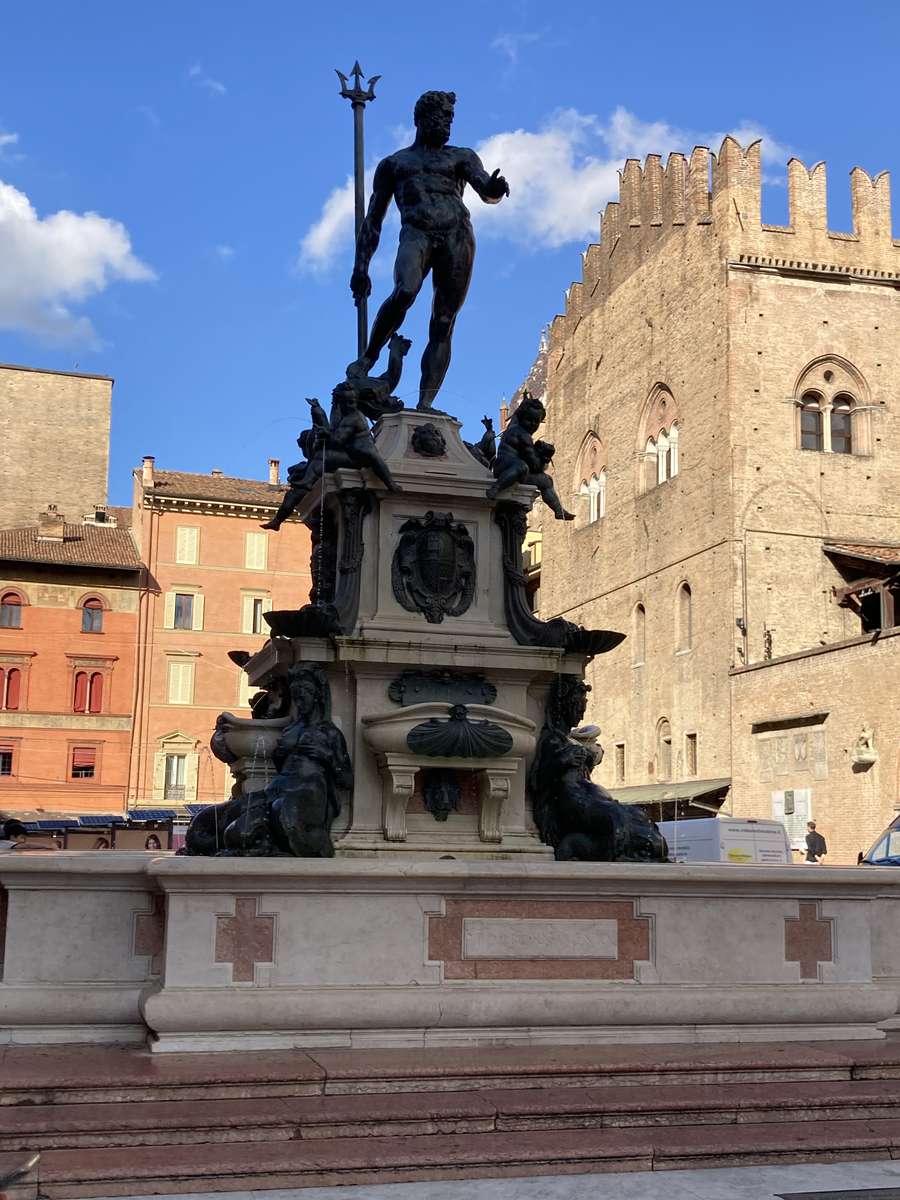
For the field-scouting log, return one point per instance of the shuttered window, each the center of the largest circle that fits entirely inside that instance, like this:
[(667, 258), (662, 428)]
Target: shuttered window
[(10, 689), (84, 762), (181, 682), (95, 693), (187, 544), (252, 609), (80, 700), (183, 610), (255, 551)]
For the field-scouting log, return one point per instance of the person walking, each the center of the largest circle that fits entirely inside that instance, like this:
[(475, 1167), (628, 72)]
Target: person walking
[(816, 849)]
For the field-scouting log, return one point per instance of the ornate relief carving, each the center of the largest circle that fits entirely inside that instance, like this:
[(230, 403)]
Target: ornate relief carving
[(433, 571)]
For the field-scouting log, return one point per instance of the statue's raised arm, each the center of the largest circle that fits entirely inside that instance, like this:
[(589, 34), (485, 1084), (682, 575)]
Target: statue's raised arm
[(491, 188), (427, 181)]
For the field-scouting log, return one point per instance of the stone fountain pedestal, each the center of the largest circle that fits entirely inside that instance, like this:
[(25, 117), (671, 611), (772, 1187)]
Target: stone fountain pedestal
[(416, 578)]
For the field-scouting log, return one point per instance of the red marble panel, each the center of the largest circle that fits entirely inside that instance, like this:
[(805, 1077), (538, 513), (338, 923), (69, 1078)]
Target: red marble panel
[(808, 939), (245, 939), (150, 933), (445, 939)]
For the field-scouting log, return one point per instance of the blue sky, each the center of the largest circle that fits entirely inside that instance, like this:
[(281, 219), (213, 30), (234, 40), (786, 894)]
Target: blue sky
[(211, 144)]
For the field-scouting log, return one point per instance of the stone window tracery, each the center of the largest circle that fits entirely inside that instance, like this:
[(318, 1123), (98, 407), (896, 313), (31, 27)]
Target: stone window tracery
[(590, 483), (658, 438), (832, 409)]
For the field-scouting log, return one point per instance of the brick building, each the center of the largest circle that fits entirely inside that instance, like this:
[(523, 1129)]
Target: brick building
[(210, 573), (43, 414), (68, 625), (722, 396)]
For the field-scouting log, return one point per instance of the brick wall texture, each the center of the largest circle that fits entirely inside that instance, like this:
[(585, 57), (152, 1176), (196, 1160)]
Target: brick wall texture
[(55, 445)]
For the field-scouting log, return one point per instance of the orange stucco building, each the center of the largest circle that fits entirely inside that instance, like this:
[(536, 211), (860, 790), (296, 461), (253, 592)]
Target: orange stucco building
[(210, 573), (68, 632)]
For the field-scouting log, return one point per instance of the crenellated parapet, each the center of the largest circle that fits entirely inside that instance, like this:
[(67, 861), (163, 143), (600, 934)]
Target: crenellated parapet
[(715, 199)]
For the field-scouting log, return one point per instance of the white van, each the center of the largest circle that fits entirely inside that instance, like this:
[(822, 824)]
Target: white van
[(727, 840)]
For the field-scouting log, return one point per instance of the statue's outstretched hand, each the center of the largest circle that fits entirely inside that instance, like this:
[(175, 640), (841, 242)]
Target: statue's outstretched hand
[(360, 284), (497, 185)]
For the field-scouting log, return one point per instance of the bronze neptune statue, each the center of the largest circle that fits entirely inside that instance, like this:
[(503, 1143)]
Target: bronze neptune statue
[(427, 181)]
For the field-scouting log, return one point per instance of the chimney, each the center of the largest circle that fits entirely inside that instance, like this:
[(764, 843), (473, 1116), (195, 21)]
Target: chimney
[(51, 525), (274, 465), (217, 471), (147, 471)]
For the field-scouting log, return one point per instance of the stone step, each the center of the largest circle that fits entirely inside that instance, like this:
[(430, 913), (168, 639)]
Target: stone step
[(113, 1074), (169, 1123), (139, 1170)]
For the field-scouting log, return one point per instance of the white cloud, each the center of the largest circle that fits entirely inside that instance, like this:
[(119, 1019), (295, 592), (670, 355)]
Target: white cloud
[(225, 252), (321, 242), (560, 176), (150, 114), (53, 263), (509, 44), (8, 141), (200, 77)]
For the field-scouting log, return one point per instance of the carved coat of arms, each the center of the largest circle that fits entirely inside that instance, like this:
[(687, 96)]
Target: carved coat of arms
[(433, 571)]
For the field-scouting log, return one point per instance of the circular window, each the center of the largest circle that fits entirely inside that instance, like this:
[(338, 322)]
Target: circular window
[(829, 375)]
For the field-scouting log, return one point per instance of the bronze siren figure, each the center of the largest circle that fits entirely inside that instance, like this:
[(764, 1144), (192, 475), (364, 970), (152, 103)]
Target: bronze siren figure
[(427, 181)]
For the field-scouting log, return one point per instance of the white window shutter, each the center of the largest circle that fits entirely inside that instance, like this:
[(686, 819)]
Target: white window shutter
[(267, 604), (181, 683), (256, 547), (190, 778), (187, 542), (159, 775), (245, 691), (198, 611), (247, 614), (169, 613)]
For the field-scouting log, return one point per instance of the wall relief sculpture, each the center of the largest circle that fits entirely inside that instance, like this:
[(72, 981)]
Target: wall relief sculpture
[(428, 441), (458, 737), (415, 687), (433, 571)]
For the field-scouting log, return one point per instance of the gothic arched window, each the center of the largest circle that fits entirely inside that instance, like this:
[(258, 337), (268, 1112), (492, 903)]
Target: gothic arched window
[(833, 413), (658, 439), (590, 480)]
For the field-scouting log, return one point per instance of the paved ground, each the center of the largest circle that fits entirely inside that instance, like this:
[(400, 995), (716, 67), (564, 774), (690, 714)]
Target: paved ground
[(731, 1183)]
